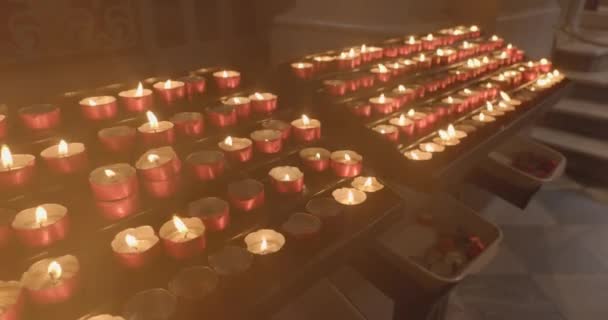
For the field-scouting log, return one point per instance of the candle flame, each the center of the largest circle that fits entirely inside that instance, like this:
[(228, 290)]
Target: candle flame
[(440, 52), (402, 119), (6, 157), (152, 120), (505, 96), (530, 64), (509, 46), (286, 177), (427, 147), (382, 98), (422, 57), (485, 60), (347, 157), (264, 245), (228, 141), (92, 102), (474, 28), (451, 131), (556, 73), (467, 91), (305, 120), (466, 45), (482, 116), (131, 241), (411, 113), (62, 148), (318, 155), (450, 99), (503, 55), (414, 155), (411, 40), (350, 197), (167, 84), (489, 106), (494, 38), (41, 215), (401, 88), (443, 135), (363, 48), (501, 77), (351, 52), (544, 61), (140, 90), (54, 270), (225, 74), (258, 96), (368, 182), (236, 100), (382, 68), (153, 157), (429, 36), (109, 173), (179, 225)]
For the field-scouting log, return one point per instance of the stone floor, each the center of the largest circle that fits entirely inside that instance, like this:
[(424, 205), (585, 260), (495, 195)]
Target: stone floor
[(553, 262)]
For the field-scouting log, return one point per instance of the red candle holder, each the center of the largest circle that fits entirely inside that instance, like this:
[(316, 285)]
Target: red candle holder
[(40, 116), (278, 125), (267, 141), (170, 91), (329, 211), (242, 105), (419, 119), (135, 248), (302, 70), (65, 158), (348, 60), (316, 159), (405, 125), (206, 165), (188, 124), (306, 129), (456, 105), (19, 173), (118, 209), (287, 179), (445, 56), (162, 189), (246, 195), (490, 90), (41, 226), (361, 109), (99, 108), (195, 85), (423, 62), (263, 102), (3, 127), (113, 182), (432, 115), (117, 139), (382, 104), (183, 238), (382, 73), (352, 82), (409, 65), (52, 291), (237, 149), (366, 80), (413, 44), (530, 74), (335, 87), (6, 233), (346, 163), (137, 100), (323, 63), (227, 79), (388, 132), (14, 308), (430, 42), (397, 69), (304, 229), (404, 94), (214, 212), (222, 116), (159, 164), (156, 133)]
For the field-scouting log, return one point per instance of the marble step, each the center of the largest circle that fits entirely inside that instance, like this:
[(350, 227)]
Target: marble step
[(571, 143), (577, 55), (582, 109), (584, 117)]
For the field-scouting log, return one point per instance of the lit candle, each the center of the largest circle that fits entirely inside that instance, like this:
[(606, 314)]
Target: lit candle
[(316, 159), (408, 64), (419, 118), (422, 61), (227, 79), (445, 56), (302, 70), (431, 147), (348, 60), (323, 62), (382, 104), (444, 139), (349, 196), (12, 300), (65, 158), (455, 105), (381, 72), (306, 129), (159, 164), (490, 110), (52, 280), (404, 124), (264, 242), (455, 134), (16, 170), (242, 106), (545, 65), (346, 163), (41, 226), (418, 155), (40, 116), (481, 117), (156, 133), (237, 149), (267, 141), (246, 195), (113, 182), (367, 184), (99, 108), (507, 99), (183, 238), (287, 179), (404, 94), (389, 132), (136, 100), (263, 102), (135, 248), (414, 45)]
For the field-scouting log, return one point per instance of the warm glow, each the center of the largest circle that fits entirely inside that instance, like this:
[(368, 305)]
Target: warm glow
[(152, 120), (153, 157), (351, 52), (402, 119), (466, 45), (414, 155), (482, 117), (544, 61), (443, 135), (382, 68), (501, 77), (92, 102), (41, 215), (509, 46), (264, 245), (485, 60), (109, 173), (382, 131), (451, 131), (429, 37), (258, 96), (494, 38), (131, 241), (368, 182), (411, 113), (167, 84), (474, 28), (440, 52), (347, 157), (224, 74), (401, 88), (179, 225), (530, 64), (286, 177), (489, 106), (382, 98), (556, 73), (236, 100), (317, 155), (54, 270), (62, 148), (467, 91), (503, 55), (305, 120), (363, 48), (350, 198), (450, 99), (411, 40), (228, 141), (427, 147), (6, 157), (140, 90), (422, 57)]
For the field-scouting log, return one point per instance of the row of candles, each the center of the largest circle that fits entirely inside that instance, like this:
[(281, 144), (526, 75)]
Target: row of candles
[(140, 99), (354, 57)]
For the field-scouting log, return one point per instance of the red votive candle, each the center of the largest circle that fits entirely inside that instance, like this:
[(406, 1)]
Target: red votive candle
[(227, 79), (382, 73), (455, 105), (545, 65), (52, 280), (490, 90), (40, 116), (135, 248), (118, 209), (13, 300), (237, 149), (195, 85), (360, 108), (99, 108), (117, 139), (348, 60), (306, 129), (246, 195), (405, 125), (113, 182), (430, 42), (41, 226), (188, 124), (156, 133), (267, 141), (206, 165), (242, 105), (322, 63), (287, 179), (263, 102), (302, 70), (16, 170), (278, 125), (346, 163), (183, 238), (159, 164), (382, 104), (136, 100), (214, 212), (388, 132), (65, 158), (335, 87), (162, 189), (445, 56), (316, 159), (419, 119), (170, 91), (404, 94), (222, 116), (303, 228)]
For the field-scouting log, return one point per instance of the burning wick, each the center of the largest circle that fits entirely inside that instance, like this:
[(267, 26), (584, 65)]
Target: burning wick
[(350, 198), (489, 106), (411, 113), (363, 48), (167, 84), (429, 37), (109, 173), (180, 226), (62, 148), (402, 119), (6, 157), (258, 96), (382, 68), (92, 103), (41, 216), (368, 182), (305, 120), (54, 270), (346, 157), (422, 57), (451, 131), (286, 177), (382, 99), (228, 141), (153, 158), (140, 90), (152, 120), (482, 117), (318, 156), (225, 74), (263, 245), (474, 28), (401, 88), (494, 38), (131, 241), (505, 96)]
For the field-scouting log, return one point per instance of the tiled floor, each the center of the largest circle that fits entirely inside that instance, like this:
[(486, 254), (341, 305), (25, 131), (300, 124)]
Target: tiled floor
[(553, 262)]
